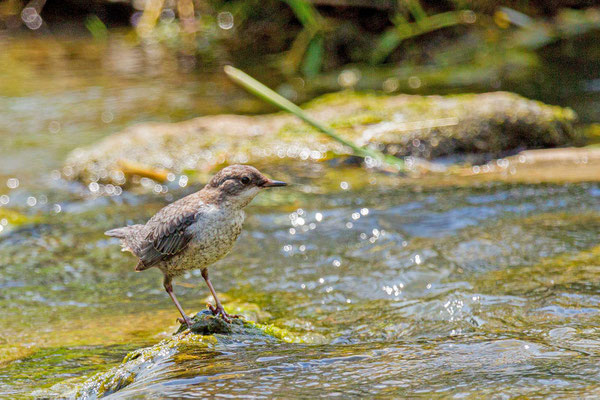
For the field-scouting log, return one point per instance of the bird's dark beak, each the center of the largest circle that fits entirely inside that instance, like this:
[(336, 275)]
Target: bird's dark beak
[(272, 183)]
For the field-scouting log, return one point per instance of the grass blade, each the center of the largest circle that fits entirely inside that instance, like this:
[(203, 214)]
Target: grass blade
[(272, 97), (314, 57), (306, 13)]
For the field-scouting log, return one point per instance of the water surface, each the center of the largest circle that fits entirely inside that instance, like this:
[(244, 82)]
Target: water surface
[(400, 290)]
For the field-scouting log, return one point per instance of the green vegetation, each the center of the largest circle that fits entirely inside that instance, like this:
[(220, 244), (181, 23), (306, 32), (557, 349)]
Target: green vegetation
[(310, 36)]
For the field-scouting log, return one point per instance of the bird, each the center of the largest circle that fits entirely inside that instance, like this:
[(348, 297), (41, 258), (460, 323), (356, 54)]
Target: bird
[(196, 230)]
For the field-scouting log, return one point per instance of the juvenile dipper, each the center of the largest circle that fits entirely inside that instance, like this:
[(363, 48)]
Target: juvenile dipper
[(195, 231)]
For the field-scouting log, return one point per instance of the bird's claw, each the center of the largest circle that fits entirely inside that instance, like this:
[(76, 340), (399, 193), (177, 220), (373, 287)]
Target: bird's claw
[(186, 321), (219, 310)]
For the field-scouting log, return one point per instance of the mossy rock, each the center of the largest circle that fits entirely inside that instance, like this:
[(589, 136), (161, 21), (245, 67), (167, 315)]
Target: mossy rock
[(403, 125), (205, 323), (207, 332)]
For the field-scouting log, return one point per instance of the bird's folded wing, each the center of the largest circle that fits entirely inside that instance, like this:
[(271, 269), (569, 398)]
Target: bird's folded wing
[(168, 233)]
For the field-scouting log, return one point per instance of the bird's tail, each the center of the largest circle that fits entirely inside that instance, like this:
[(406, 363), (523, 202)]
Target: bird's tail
[(124, 232), (130, 237)]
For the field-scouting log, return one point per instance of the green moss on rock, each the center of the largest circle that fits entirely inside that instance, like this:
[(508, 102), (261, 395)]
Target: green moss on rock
[(404, 125), (207, 332)]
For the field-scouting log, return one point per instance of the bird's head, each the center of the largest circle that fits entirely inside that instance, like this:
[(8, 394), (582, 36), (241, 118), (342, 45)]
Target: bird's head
[(239, 184)]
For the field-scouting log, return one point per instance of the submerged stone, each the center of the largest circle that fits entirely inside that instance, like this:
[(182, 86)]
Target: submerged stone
[(207, 332), (403, 125)]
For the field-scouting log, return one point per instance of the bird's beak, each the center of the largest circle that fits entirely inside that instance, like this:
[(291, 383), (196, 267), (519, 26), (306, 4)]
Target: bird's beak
[(272, 183)]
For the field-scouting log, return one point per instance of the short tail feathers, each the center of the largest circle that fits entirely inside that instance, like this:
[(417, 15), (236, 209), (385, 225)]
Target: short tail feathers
[(124, 232), (130, 237)]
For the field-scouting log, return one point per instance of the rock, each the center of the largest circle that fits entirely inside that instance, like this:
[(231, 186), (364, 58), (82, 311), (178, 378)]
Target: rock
[(207, 332), (205, 323), (545, 165), (423, 126)]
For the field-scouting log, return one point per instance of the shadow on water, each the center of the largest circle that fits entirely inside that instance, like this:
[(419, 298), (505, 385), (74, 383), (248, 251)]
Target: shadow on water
[(472, 291)]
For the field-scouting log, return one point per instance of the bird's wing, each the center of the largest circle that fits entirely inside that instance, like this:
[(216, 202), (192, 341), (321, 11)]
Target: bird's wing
[(168, 232)]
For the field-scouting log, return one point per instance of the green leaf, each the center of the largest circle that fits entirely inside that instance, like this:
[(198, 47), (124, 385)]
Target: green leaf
[(416, 10), (387, 43)]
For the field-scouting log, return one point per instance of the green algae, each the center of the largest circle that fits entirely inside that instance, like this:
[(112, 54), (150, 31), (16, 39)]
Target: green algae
[(592, 134), (555, 312), (11, 352), (206, 324), (12, 218), (423, 126), (123, 375), (563, 271), (207, 332)]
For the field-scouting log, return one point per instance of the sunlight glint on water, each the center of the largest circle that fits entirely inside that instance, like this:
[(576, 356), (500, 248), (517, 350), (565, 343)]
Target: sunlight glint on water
[(470, 291)]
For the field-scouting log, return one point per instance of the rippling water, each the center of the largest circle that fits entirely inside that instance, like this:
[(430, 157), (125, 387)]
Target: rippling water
[(489, 290), (457, 291)]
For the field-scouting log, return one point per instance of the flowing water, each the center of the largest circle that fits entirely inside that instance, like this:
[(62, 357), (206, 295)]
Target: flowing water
[(399, 290)]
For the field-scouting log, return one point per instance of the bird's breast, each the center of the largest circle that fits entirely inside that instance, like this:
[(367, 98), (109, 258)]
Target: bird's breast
[(214, 234), (221, 224)]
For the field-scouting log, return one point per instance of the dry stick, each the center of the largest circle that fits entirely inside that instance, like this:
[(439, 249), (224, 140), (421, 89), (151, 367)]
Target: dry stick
[(270, 96)]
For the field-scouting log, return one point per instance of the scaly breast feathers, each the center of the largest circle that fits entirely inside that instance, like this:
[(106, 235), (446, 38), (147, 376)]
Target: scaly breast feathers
[(213, 237)]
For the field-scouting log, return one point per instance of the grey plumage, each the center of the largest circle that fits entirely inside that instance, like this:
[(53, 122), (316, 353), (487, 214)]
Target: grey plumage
[(167, 232), (130, 236)]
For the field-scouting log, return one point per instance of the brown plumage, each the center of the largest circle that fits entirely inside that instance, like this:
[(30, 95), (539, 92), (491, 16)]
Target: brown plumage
[(197, 230)]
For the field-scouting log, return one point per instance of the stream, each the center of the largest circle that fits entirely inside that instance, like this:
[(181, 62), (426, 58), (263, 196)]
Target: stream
[(399, 289)]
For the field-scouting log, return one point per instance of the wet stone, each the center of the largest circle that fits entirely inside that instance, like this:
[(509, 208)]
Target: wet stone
[(404, 125), (205, 323)]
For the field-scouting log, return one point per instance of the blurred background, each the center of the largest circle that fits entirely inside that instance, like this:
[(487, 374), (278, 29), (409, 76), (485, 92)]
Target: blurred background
[(465, 288), (455, 45)]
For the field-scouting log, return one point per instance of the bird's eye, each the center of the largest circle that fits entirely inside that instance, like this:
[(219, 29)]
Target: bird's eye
[(245, 180)]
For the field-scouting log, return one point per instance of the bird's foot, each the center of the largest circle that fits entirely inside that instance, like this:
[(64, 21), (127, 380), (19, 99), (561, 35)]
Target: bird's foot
[(219, 310), (186, 321)]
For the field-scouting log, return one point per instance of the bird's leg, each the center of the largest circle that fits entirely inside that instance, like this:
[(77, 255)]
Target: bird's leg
[(218, 309), (169, 289)]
